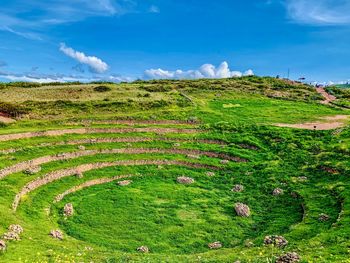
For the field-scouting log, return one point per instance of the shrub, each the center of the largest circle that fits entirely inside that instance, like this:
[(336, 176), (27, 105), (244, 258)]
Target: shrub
[(11, 110), (102, 89)]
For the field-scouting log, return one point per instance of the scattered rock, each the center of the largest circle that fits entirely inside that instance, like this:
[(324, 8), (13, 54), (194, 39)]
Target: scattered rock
[(294, 194), (89, 249), (56, 234), (210, 174), (68, 209), (290, 257), (79, 174), (302, 178), (16, 229), (33, 170), (238, 188), (224, 161), (124, 183), (185, 180), (81, 147), (215, 245), (329, 170), (278, 241), (11, 236), (242, 210), (192, 120), (248, 243), (143, 249), (323, 217), (2, 245), (277, 191), (193, 156)]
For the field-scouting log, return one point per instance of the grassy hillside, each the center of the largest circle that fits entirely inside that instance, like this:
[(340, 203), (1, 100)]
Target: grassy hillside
[(79, 143)]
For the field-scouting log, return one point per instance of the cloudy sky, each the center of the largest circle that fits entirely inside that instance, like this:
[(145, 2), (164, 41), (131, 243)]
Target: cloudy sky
[(117, 40)]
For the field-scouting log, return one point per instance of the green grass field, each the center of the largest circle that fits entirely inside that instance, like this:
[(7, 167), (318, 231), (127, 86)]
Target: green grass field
[(154, 132)]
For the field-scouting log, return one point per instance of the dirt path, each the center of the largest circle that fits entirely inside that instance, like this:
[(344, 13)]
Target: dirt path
[(135, 122), (124, 140), (26, 135), (328, 98), (19, 167), (59, 174), (87, 184), (325, 123)]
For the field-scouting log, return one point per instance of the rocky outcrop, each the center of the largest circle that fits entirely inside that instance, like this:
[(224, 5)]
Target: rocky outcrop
[(242, 210), (124, 183), (33, 170), (68, 210), (143, 249), (215, 245), (290, 257), (16, 229), (210, 174), (277, 192), (2, 245), (238, 188), (56, 234), (11, 236), (185, 180), (278, 241), (323, 217)]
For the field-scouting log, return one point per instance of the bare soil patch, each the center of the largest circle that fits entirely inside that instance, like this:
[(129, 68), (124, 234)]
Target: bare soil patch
[(4, 118), (26, 135), (325, 123)]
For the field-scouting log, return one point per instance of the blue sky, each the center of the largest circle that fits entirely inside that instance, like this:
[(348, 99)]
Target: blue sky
[(66, 40)]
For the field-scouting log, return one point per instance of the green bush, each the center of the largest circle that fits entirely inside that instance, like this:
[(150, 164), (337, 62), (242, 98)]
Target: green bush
[(102, 89), (11, 110)]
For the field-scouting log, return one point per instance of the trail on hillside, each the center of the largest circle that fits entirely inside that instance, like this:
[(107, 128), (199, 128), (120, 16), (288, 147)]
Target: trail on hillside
[(328, 98)]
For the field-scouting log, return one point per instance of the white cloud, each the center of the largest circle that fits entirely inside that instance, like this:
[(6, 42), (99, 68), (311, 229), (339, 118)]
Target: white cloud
[(40, 78), (249, 72), (94, 63), (154, 9), (48, 78), (205, 71), (41, 14), (319, 12), (27, 35)]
